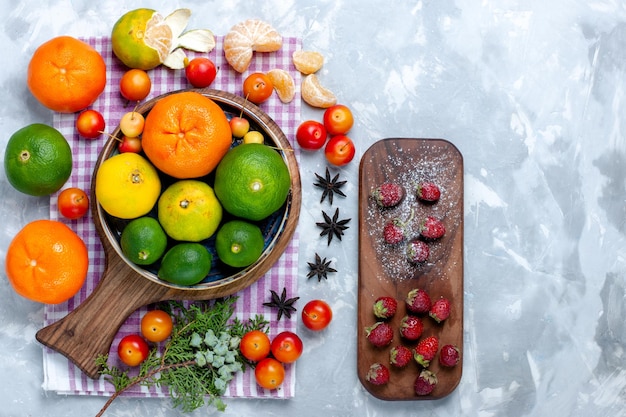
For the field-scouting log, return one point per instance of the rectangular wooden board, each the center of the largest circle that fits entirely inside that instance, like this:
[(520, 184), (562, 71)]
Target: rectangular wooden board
[(385, 270)]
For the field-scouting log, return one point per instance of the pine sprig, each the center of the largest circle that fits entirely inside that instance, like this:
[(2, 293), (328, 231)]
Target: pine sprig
[(199, 359)]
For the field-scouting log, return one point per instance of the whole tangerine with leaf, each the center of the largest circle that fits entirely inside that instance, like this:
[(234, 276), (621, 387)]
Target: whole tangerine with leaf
[(186, 134), (66, 74), (46, 262)]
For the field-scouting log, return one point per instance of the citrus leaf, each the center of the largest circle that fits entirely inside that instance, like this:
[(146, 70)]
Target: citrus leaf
[(177, 21), (199, 40), (176, 59)]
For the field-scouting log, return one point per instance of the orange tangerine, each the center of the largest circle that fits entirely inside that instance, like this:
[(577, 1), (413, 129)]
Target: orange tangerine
[(66, 74), (186, 134), (47, 262)]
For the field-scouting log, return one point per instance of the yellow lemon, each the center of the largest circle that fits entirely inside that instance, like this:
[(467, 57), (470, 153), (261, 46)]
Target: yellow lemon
[(127, 185)]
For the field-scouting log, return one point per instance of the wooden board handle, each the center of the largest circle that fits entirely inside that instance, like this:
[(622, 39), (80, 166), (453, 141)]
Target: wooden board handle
[(88, 331)]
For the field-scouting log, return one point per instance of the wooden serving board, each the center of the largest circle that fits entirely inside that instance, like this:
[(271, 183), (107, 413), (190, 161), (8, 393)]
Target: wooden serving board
[(384, 269), (88, 331)]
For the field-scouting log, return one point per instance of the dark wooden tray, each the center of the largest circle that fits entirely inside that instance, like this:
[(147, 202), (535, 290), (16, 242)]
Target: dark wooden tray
[(384, 270)]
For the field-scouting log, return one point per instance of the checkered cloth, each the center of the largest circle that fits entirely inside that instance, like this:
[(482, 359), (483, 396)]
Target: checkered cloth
[(59, 373)]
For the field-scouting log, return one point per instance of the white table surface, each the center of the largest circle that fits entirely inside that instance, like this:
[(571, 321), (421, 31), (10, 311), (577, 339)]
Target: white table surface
[(532, 94)]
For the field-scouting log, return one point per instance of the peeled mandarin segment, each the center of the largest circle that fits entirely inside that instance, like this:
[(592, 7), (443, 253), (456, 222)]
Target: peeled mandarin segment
[(246, 37), (284, 84), (307, 62), (315, 95), (159, 35)]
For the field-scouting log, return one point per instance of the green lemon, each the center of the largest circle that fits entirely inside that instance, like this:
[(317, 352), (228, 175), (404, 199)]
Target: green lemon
[(37, 160), (143, 241), (189, 211), (239, 243), (252, 181), (185, 264)]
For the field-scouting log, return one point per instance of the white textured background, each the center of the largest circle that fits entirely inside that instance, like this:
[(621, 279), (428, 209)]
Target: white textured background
[(530, 91)]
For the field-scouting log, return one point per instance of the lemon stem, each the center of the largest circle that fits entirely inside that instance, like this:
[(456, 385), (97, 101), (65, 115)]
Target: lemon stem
[(235, 248), (24, 156)]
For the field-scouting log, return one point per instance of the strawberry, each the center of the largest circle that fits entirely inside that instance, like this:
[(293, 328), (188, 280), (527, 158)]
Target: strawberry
[(388, 194), (385, 307), (378, 374), (393, 232), (418, 301), (380, 334), (426, 350), (411, 327), (425, 382), (400, 356), (428, 191), (417, 251), (440, 310), (432, 228), (449, 355)]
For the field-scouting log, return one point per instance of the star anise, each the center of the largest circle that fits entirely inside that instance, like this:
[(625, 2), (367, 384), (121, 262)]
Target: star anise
[(282, 303), (332, 227), (330, 186), (319, 268)]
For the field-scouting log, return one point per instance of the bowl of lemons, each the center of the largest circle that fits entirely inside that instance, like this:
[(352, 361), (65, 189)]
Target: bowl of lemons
[(196, 210)]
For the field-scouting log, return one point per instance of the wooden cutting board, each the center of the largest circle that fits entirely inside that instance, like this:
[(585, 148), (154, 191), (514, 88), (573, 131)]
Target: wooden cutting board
[(384, 269), (87, 331)]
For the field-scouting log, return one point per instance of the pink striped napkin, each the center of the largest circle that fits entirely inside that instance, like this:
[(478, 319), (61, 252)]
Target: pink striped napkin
[(60, 374)]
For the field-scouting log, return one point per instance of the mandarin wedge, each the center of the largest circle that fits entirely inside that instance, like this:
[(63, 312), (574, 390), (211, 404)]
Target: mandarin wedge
[(284, 85), (315, 95), (245, 38), (307, 62)]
